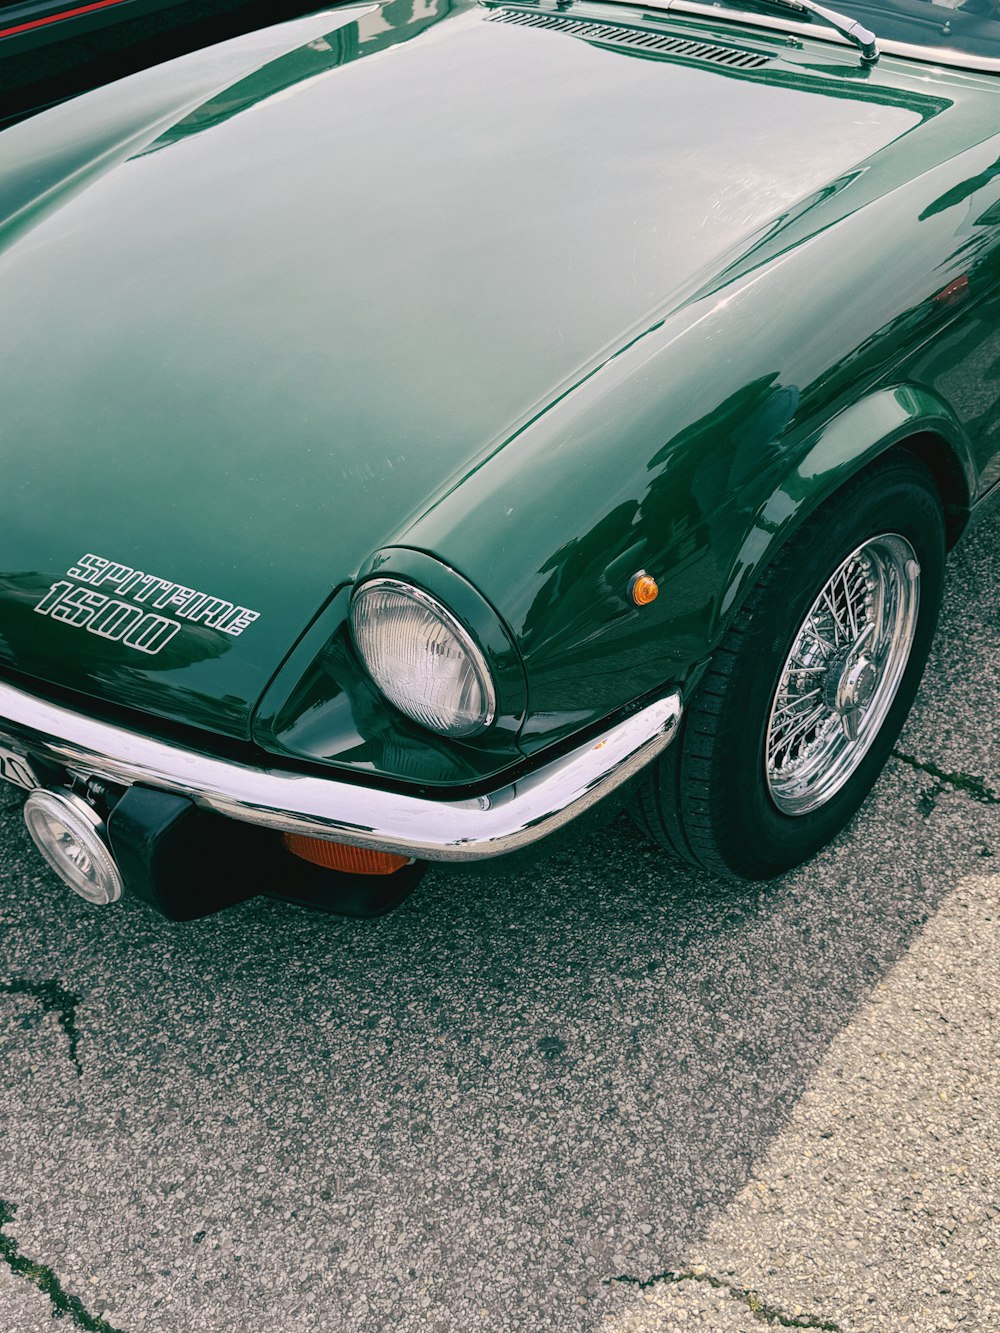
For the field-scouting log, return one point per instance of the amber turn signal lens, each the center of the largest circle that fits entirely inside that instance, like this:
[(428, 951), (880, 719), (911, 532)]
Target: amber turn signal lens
[(645, 589), (338, 856)]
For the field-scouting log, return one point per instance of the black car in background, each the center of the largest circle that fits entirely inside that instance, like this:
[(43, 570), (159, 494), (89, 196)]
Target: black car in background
[(54, 49), (33, 23)]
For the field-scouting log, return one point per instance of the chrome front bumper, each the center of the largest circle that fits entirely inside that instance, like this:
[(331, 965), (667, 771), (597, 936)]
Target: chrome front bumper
[(505, 820)]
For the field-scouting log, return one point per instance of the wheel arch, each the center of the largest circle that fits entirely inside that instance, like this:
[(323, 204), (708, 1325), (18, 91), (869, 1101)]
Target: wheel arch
[(905, 418), (947, 468)]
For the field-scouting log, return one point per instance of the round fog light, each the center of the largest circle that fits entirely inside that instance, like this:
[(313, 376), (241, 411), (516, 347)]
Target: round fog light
[(68, 833)]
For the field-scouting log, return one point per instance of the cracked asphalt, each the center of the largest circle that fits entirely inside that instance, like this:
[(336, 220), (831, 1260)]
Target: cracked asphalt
[(609, 1095)]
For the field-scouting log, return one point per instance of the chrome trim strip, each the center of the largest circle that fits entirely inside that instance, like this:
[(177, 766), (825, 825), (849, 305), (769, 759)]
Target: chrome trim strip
[(928, 55), (514, 816)]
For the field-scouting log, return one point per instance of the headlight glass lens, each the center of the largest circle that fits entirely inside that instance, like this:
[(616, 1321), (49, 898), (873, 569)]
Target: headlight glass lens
[(422, 659)]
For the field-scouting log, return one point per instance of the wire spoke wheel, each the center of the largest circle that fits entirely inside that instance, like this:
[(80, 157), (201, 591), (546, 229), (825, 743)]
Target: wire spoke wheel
[(842, 673), (806, 692)]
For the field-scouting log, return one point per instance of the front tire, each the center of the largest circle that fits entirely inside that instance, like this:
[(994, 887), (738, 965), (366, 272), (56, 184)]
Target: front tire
[(803, 700)]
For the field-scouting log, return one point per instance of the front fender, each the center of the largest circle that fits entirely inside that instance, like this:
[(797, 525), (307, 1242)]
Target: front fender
[(839, 449)]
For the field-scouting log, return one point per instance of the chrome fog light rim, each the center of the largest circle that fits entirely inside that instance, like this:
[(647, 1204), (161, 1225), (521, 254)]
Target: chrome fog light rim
[(70, 836), (842, 673)]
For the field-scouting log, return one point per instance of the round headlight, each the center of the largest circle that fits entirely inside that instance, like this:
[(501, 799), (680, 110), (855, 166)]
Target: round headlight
[(421, 658)]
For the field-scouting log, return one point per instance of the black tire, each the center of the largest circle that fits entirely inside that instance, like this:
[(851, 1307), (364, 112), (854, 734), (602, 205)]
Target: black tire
[(708, 799)]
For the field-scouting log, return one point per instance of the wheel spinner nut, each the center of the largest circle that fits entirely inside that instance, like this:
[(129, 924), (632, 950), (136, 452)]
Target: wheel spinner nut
[(857, 685)]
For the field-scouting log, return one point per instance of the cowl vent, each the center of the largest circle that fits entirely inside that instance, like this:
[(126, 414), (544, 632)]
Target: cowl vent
[(637, 39)]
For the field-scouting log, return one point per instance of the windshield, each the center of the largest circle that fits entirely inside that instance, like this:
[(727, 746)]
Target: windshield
[(969, 26)]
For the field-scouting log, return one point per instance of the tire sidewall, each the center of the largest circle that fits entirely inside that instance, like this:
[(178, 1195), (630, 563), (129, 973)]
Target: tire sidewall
[(753, 837)]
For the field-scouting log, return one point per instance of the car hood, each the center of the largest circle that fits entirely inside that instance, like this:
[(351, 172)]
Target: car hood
[(241, 358)]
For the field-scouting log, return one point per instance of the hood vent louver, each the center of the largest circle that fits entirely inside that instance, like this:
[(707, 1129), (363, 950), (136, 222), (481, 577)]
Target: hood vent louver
[(635, 38)]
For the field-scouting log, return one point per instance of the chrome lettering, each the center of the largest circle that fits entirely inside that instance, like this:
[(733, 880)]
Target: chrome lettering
[(171, 595), (117, 574), (213, 609), (132, 625), (242, 617), (184, 598), (114, 620), (88, 568), (55, 594), (151, 634), (150, 584), (127, 584), (77, 607)]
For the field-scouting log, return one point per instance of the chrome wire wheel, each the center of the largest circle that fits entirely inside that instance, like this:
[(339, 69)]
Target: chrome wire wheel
[(842, 673)]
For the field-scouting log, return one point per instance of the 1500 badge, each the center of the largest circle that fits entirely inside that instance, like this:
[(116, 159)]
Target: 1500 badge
[(130, 612)]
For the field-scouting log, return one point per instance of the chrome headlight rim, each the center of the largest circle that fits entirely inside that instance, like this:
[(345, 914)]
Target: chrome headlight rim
[(461, 632)]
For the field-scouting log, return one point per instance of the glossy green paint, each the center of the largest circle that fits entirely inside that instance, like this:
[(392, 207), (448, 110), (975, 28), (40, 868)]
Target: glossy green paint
[(334, 710), (510, 313)]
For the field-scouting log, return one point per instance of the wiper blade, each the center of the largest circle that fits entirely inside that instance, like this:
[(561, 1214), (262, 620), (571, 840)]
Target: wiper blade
[(863, 38)]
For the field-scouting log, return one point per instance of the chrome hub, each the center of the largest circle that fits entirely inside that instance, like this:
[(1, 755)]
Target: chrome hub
[(850, 690), (842, 673), (857, 686)]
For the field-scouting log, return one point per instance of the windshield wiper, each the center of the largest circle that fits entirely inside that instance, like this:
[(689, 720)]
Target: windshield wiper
[(856, 33), (863, 38)]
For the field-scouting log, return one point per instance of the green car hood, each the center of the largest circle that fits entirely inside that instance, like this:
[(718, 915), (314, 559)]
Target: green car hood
[(241, 357)]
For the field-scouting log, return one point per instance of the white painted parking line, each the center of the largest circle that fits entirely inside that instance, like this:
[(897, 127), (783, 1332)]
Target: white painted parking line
[(877, 1209)]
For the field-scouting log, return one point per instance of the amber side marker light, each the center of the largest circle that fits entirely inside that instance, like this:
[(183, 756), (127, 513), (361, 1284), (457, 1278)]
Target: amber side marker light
[(338, 856), (644, 588)]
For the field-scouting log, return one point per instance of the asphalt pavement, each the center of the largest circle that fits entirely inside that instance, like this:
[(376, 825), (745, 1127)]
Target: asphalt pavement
[(610, 1095)]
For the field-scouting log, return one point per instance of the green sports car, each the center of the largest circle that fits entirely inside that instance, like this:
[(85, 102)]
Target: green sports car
[(423, 426)]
